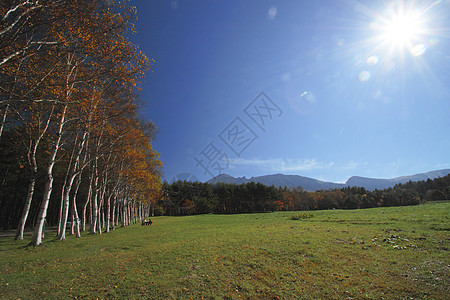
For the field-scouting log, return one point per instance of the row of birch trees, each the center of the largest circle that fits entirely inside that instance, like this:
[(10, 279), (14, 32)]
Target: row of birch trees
[(69, 78)]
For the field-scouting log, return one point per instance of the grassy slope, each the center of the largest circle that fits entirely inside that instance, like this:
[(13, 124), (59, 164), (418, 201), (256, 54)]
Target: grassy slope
[(373, 253)]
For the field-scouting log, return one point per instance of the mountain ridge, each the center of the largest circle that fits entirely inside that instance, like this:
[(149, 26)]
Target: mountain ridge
[(311, 184)]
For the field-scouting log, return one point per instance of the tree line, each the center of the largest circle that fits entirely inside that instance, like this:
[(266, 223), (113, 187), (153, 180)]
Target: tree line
[(72, 144), (186, 198)]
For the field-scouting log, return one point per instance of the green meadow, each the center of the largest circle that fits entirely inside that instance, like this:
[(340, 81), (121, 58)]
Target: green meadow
[(390, 253)]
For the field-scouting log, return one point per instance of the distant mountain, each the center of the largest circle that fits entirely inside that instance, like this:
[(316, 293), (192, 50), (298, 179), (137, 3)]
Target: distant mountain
[(310, 184), (183, 177), (224, 178), (306, 183), (280, 180), (375, 183)]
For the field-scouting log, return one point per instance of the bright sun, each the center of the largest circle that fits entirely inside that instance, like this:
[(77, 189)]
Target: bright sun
[(403, 26), (402, 30)]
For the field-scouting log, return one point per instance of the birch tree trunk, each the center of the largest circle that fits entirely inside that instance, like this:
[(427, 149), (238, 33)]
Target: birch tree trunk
[(61, 207), (66, 196), (26, 209), (118, 213), (32, 150), (99, 219), (94, 207), (101, 215), (108, 211), (123, 214), (4, 119), (87, 202), (71, 67), (72, 172), (42, 213), (113, 213), (75, 209), (130, 213)]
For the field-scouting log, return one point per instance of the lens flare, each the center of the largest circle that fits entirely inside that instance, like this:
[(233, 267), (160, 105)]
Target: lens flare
[(308, 96), (418, 49), (364, 76), (372, 60), (272, 13)]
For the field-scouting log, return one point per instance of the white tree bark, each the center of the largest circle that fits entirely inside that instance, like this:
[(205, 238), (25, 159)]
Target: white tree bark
[(26, 209), (72, 172), (37, 237), (74, 206), (69, 87), (87, 202), (5, 113), (94, 206)]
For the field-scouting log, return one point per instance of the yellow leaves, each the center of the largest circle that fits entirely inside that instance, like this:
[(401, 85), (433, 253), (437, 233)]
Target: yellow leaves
[(141, 165), (87, 75)]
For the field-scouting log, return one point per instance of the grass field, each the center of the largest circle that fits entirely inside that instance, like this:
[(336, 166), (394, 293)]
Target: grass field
[(390, 253)]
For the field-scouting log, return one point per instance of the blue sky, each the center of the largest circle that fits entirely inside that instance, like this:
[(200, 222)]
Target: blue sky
[(324, 89)]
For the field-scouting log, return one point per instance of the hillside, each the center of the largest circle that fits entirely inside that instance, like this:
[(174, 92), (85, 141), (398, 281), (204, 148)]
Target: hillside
[(311, 184), (377, 183), (280, 180)]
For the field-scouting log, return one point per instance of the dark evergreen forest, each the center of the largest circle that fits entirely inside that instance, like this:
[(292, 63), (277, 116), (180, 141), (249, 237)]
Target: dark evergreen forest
[(187, 198)]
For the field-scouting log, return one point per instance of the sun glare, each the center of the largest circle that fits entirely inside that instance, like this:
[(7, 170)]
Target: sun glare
[(402, 30), (403, 27)]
